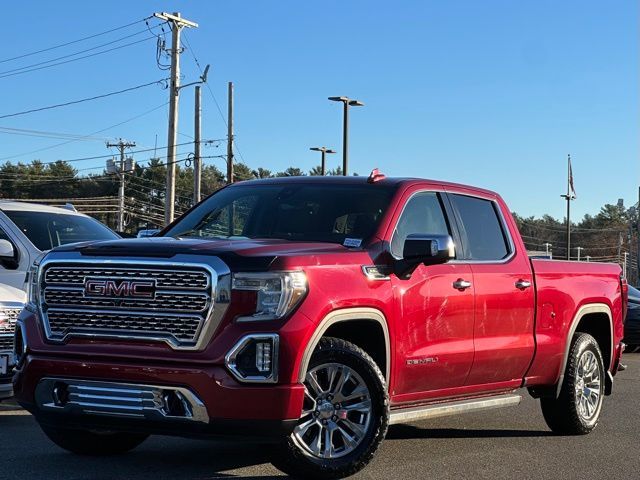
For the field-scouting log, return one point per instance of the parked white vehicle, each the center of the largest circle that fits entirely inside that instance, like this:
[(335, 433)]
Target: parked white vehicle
[(13, 299), (26, 231)]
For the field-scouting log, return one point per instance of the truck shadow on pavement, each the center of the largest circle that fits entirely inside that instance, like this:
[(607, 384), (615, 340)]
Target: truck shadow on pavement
[(405, 432), (157, 458)]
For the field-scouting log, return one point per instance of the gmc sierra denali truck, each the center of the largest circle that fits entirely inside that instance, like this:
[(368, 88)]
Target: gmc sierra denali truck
[(317, 311)]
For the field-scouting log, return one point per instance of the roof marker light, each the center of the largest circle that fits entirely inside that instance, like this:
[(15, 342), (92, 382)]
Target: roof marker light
[(375, 176)]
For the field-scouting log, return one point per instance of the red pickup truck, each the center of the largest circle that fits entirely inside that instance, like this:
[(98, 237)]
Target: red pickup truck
[(316, 311)]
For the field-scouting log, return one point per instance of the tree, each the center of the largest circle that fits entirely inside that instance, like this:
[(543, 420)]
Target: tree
[(262, 173), (291, 172), (242, 172), (316, 171)]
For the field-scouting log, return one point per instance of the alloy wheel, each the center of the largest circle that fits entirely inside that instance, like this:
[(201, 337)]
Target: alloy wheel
[(336, 414)]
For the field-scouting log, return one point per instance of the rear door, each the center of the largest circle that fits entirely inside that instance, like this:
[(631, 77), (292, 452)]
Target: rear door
[(504, 292)]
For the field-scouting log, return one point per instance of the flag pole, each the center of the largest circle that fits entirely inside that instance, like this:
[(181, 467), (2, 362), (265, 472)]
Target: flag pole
[(569, 197)]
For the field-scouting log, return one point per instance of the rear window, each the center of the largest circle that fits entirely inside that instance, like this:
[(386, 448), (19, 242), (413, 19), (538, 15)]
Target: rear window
[(49, 230), (482, 227)]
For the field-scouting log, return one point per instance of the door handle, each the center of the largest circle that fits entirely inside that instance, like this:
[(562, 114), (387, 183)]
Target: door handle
[(523, 284), (461, 284)]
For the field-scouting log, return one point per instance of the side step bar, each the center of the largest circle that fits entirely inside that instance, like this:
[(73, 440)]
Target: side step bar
[(408, 415)]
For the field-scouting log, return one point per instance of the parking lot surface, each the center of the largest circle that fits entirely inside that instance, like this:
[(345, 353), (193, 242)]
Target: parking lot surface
[(512, 443)]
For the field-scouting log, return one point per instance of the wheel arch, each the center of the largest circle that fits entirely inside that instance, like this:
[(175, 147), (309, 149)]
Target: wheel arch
[(590, 318), (340, 318)]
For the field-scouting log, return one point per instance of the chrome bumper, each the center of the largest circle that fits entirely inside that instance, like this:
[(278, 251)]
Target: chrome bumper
[(123, 400)]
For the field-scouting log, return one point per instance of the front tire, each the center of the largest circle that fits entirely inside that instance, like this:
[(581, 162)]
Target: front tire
[(577, 409), (83, 442), (345, 414)]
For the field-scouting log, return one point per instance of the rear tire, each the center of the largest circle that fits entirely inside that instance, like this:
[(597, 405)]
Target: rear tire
[(84, 442), (345, 415), (577, 409)]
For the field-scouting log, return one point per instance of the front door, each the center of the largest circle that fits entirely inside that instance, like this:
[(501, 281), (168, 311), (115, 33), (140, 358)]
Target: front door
[(434, 310)]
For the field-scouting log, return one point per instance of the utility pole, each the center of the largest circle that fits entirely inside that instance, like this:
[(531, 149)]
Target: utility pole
[(323, 161), (120, 170), (569, 196), (230, 135), (197, 160), (177, 23), (579, 251)]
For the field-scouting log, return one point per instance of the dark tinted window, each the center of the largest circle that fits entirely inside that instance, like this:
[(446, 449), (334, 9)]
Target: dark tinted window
[(422, 214), (484, 232), (303, 212), (48, 230)]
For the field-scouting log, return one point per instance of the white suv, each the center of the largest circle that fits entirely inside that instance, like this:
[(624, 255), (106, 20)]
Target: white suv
[(26, 231)]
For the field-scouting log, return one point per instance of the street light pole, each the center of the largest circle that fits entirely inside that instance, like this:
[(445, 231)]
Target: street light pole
[(547, 246), (579, 251), (323, 164), (346, 102)]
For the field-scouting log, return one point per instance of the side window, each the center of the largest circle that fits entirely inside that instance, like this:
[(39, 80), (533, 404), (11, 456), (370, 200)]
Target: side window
[(486, 238), (423, 213)]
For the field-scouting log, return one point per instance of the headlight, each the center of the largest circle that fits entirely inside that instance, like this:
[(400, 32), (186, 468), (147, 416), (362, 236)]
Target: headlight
[(33, 277), (278, 293)]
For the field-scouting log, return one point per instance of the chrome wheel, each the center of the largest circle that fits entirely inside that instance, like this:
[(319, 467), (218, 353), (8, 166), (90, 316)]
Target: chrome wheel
[(588, 387), (336, 413)]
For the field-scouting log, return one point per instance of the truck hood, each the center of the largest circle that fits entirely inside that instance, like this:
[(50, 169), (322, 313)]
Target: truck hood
[(253, 254)]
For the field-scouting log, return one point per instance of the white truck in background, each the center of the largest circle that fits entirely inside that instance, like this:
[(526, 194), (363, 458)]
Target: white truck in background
[(26, 231)]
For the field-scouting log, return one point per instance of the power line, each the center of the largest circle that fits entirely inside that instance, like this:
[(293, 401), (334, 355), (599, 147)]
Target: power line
[(224, 120), (45, 134), (73, 41), (2, 75), (88, 135), (73, 102), (25, 67)]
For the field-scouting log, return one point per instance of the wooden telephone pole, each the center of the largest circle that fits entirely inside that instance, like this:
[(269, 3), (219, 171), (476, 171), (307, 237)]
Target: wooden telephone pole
[(177, 23)]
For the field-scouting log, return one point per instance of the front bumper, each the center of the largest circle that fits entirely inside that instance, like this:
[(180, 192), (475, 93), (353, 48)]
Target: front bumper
[(231, 408)]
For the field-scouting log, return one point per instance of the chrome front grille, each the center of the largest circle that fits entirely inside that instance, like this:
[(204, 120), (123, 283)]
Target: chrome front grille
[(170, 279), (175, 305), (8, 317), (171, 301)]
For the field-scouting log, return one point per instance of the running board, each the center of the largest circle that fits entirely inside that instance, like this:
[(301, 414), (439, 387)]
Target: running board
[(413, 414)]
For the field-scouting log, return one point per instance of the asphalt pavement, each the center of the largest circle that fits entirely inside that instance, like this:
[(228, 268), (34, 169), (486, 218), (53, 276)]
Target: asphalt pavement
[(512, 443)]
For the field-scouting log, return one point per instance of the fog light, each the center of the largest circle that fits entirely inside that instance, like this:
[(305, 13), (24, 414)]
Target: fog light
[(19, 344), (255, 358)]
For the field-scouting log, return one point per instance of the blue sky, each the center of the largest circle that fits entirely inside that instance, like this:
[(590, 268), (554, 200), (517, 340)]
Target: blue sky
[(491, 93)]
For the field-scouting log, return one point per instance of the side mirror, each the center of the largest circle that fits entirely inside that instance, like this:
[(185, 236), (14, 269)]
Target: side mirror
[(7, 252), (424, 249)]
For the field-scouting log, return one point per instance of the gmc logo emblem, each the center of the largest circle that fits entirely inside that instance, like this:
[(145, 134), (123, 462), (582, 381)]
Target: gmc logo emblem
[(94, 287)]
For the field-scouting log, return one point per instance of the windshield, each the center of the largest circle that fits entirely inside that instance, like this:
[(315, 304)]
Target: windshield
[(48, 230), (345, 214)]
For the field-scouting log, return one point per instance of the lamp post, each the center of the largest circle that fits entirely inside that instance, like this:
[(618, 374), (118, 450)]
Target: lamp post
[(324, 151), (346, 102)]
